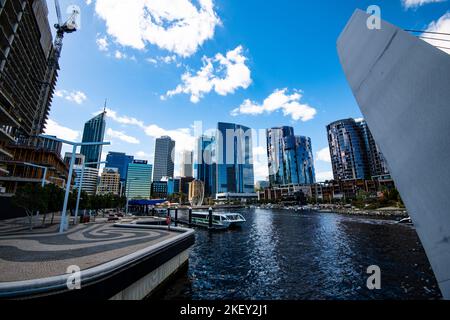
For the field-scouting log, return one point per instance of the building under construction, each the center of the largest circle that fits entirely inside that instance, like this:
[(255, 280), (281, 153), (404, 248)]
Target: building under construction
[(26, 64)]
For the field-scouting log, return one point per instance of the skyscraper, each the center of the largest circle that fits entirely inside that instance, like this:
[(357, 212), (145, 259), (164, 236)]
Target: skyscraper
[(290, 157), (354, 152), (25, 51), (187, 162), (94, 131), (378, 165), (204, 167), (164, 158), (90, 175), (139, 180), (234, 159), (120, 161)]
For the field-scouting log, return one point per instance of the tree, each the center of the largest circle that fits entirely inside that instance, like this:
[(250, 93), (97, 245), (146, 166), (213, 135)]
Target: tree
[(32, 198), (55, 200)]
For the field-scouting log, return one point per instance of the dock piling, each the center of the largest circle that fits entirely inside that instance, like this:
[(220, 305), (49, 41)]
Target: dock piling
[(210, 218)]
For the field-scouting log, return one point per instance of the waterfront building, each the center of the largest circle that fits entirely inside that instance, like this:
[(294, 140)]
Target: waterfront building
[(204, 167), (348, 151), (120, 161), (139, 180), (164, 158), (90, 176), (187, 162), (94, 131), (50, 145), (159, 189), (354, 152), (173, 185), (109, 182), (261, 185), (25, 51), (234, 159), (378, 166), (79, 159), (290, 157)]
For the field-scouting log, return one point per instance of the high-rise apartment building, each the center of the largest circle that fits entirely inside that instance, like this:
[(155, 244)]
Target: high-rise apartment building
[(290, 157), (94, 131), (120, 161), (139, 180), (24, 63), (354, 153), (109, 182), (89, 179), (187, 164), (164, 158)]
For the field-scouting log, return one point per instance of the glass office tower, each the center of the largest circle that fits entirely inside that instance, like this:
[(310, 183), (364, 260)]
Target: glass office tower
[(94, 131), (120, 161), (204, 167), (290, 157), (139, 180), (234, 159), (164, 158)]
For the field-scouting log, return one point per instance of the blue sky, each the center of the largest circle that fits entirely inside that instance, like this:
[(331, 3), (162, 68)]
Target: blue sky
[(257, 63)]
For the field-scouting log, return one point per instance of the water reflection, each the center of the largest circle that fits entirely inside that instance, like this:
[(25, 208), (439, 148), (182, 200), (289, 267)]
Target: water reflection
[(287, 255)]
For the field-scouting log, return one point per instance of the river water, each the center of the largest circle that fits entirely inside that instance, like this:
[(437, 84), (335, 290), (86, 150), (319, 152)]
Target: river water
[(280, 254)]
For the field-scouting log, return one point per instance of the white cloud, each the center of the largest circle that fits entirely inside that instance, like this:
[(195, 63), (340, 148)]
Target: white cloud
[(417, 3), (236, 74), (177, 25), (324, 176), (183, 136), (324, 155), (142, 155), (102, 43), (77, 97), (88, 2), (54, 129), (122, 136), (119, 55), (442, 25), (289, 104), (260, 165)]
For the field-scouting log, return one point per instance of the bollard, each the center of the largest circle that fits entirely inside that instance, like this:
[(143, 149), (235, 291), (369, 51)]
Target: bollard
[(176, 217), (210, 218), (190, 216)]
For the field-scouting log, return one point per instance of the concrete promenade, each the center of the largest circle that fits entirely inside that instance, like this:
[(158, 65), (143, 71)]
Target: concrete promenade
[(30, 258)]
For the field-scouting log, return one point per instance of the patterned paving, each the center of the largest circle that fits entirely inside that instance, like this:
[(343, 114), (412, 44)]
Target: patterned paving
[(45, 253)]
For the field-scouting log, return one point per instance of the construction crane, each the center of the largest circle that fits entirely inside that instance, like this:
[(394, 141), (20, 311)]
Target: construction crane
[(69, 26)]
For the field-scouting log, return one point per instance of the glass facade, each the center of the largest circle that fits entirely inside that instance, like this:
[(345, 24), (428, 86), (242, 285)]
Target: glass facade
[(234, 159), (139, 180), (94, 131), (290, 157), (120, 161), (204, 169), (164, 158), (347, 149)]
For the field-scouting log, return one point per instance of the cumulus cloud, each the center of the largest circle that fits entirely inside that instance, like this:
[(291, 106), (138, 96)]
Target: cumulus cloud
[(102, 43), (142, 155), (324, 155), (222, 74), (77, 97), (54, 129), (289, 104), (122, 136), (417, 3), (179, 26), (442, 25), (183, 136)]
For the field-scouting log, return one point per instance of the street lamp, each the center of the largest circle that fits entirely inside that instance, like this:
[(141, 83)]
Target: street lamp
[(63, 227), (40, 167), (81, 185)]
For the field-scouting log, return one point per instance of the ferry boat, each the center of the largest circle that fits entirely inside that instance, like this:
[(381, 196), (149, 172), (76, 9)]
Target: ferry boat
[(220, 220)]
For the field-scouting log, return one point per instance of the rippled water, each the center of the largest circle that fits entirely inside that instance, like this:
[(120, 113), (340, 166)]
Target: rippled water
[(288, 255)]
